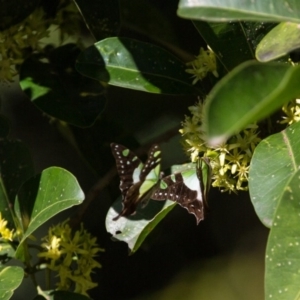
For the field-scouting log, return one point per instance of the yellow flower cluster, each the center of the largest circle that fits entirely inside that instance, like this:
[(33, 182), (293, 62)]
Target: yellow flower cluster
[(18, 39), (6, 233), (14, 40), (292, 112), (71, 256), (205, 62), (230, 161)]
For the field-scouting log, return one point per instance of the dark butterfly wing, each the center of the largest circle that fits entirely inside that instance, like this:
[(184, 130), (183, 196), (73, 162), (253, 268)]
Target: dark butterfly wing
[(175, 189), (136, 179), (153, 160), (127, 162)]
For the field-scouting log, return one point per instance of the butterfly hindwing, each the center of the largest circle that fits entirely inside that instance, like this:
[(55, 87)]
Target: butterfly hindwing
[(137, 180), (187, 188)]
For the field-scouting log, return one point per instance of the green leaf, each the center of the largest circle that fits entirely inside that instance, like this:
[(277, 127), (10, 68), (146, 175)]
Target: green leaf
[(55, 87), (282, 255), (232, 42), (134, 229), (229, 10), (227, 40), (10, 279), (135, 65), (44, 196), (15, 168), (7, 252), (104, 22), (275, 161), (249, 93), (280, 41)]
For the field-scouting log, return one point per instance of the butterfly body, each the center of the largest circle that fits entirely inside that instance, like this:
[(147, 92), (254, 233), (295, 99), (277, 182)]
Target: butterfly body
[(137, 180)]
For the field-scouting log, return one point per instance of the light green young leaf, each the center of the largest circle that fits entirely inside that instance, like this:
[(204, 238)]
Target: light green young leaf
[(10, 278), (274, 163), (249, 93), (134, 229), (282, 275), (229, 10), (280, 41), (44, 196), (135, 65)]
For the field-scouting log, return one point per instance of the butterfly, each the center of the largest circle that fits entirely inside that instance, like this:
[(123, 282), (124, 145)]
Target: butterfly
[(138, 181), (188, 188)]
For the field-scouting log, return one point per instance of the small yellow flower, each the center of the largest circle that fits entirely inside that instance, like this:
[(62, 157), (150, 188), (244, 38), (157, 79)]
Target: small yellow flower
[(230, 161), (53, 248), (292, 112), (71, 255), (205, 62), (65, 276), (83, 284), (6, 233)]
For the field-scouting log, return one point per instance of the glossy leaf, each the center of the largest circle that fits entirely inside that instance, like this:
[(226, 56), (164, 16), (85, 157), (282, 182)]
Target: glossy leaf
[(44, 196), (216, 35), (229, 10), (15, 168), (249, 93), (55, 87), (232, 42), (135, 65), (104, 22), (282, 255), (134, 229), (280, 41), (275, 161), (10, 278)]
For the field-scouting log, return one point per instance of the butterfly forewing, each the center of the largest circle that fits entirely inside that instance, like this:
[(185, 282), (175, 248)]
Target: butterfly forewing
[(136, 179), (128, 165), (150, 172)]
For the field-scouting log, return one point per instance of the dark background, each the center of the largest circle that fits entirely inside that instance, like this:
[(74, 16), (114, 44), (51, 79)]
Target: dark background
[(222, 258)]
